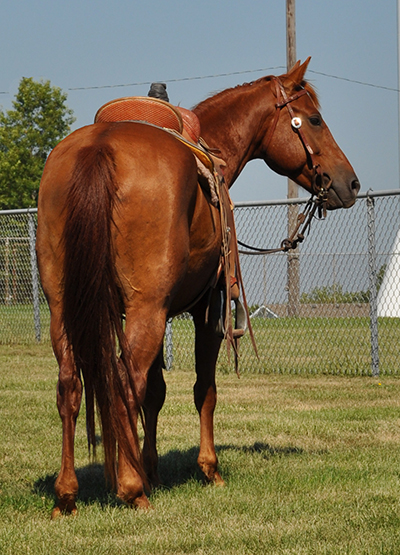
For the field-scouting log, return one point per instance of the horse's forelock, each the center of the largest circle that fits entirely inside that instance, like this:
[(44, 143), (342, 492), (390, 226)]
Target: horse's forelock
[(312, 92)]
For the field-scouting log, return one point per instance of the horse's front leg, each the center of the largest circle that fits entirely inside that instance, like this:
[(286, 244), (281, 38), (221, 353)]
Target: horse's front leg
[(69, 396), (207, 345)]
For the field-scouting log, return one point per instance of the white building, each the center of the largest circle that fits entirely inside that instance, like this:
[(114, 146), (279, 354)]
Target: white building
[(389, 292)]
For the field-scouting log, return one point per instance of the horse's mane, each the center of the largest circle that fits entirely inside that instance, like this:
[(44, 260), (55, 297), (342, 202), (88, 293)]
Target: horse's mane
[(233, 91)]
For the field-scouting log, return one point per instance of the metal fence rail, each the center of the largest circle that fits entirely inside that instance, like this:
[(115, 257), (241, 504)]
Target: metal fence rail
[(344, 318)]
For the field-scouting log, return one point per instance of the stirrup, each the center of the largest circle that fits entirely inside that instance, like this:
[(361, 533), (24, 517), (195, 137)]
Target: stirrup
[(240, 320), (218, 311)]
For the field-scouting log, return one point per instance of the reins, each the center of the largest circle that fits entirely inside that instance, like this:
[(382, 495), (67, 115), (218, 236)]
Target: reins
[(303, 224), (319, 196)]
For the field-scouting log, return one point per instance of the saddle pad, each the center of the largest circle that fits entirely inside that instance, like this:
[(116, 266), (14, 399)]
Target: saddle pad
[(141, 108), (191, 123)]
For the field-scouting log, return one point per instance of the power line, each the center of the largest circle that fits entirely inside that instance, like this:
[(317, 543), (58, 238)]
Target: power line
[(176, 80), (365, 84), (217, 75), (141, 83)]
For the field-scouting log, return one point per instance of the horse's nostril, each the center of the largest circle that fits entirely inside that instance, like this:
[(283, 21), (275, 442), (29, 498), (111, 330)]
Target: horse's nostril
[(355, 185)]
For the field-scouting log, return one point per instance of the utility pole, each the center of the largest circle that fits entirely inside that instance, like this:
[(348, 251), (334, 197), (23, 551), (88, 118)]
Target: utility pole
[(293, 262), (398, 66)]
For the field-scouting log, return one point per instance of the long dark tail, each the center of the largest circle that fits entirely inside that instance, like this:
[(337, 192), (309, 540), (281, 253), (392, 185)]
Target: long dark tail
[(92, 305)]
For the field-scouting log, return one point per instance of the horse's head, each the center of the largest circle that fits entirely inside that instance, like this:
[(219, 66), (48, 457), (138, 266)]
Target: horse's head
[(297, 142)]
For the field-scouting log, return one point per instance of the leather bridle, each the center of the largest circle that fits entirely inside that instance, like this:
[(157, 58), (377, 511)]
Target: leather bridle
[(319, 189)]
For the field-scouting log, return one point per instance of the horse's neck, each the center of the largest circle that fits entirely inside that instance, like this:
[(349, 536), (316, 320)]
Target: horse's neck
[(235, 125)]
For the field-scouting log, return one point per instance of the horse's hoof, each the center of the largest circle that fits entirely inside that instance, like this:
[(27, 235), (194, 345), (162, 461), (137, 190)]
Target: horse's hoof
[(218, 481), (142, 503), (138, 502), (57, 512), (65, 506), (211, 475)]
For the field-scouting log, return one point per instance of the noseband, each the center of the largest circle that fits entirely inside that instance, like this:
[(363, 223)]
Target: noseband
[(318, 188)]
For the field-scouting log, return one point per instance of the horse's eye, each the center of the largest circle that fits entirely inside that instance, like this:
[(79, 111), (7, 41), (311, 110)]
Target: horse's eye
[(315, 120)]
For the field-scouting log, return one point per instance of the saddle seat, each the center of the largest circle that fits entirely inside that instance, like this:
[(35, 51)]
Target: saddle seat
[(151, 110)]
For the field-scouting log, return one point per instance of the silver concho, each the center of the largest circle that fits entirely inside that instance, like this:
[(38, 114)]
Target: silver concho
[(296, 122)]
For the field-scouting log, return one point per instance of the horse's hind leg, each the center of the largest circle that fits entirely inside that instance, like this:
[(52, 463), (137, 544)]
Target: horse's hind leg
[(207, 346), (154, 400), (144, 331), (69, 395)]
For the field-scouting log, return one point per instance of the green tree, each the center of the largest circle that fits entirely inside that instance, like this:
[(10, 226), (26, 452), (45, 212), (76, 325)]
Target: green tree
[(331, 294), (38, 121)]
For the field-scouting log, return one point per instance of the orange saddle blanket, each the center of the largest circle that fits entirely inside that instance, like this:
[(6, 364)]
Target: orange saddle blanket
[(151, 110)]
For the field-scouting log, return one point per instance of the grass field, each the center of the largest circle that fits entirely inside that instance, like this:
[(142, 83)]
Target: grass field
[(285, 345), (311, 464), (338, 346)]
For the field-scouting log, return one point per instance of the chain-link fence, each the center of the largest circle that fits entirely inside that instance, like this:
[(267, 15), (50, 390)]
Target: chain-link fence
[(331, 314), (332, 306), (24, 316)]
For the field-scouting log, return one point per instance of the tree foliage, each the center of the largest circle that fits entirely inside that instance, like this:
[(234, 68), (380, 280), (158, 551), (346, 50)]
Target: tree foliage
[(28, 132), (332, 294)]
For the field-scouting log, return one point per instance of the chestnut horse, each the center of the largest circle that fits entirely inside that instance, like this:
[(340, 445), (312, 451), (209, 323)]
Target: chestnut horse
[(125, 231)]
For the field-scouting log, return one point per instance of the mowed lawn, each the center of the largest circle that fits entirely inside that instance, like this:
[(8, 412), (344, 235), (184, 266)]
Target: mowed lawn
[(285, 345), (311, 464)]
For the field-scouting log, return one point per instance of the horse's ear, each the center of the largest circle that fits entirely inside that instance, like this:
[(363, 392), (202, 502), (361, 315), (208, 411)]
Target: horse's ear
[(296, 75), (295, 67)]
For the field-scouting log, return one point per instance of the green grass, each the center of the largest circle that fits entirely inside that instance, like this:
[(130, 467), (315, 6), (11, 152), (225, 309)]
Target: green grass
[(339, 346), (285, 345), (311, 464), (17, 324)]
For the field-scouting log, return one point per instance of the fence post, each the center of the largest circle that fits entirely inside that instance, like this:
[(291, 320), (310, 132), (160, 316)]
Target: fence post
[(169, 357), (34, 275), (373, 308), (7, 294)]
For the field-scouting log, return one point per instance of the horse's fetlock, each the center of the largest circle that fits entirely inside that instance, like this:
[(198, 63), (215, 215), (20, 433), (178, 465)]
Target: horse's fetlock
[(66, 492), (132, 493), (208, 468)]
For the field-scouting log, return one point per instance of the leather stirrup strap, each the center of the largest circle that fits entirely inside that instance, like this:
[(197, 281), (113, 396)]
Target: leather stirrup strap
[(230, 256)]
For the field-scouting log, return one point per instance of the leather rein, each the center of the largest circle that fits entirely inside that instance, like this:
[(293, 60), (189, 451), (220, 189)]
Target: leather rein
[(319, 195)]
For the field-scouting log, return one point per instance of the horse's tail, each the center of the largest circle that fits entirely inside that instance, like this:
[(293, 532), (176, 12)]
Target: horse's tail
[(92, 306)]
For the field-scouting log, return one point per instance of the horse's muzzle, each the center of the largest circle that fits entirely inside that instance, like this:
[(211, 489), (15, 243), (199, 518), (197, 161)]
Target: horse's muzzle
[(343, 195)]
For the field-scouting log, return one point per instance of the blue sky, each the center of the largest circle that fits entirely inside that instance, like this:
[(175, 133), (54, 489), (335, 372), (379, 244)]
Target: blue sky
[(80, 45)]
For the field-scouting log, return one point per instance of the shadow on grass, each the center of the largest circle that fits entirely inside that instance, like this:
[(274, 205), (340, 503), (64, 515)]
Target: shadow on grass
[(175, 467), (266, 450), (93, 487)]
